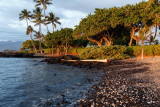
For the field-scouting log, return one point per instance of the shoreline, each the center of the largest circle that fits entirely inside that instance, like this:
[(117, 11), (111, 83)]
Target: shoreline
[(129, 82)]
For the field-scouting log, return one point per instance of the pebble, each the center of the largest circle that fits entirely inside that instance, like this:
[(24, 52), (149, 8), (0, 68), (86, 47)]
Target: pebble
[(118, 89)]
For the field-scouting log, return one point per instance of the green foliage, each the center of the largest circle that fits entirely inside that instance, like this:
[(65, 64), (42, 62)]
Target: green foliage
[(49, 50), (27, 45), (104, 52), (53, 20), (107, 25), (118, 52), (79, 43), (149, 50), (59, 38), (76, 50)]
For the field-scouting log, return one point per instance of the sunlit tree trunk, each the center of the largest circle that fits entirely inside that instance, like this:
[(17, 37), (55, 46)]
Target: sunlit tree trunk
[(142, 54), (132, 34), (58, 50), (99, 43), (131, 40), (109, 41)]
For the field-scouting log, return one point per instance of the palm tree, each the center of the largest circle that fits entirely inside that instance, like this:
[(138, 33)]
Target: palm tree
[(44, 3), (144, 35), (52, 19), (38, 36), (25, 15), (38, 19), (45, 23), (29, 31)]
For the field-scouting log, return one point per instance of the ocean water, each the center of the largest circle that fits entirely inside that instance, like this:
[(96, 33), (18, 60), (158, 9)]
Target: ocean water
[(27, 82)]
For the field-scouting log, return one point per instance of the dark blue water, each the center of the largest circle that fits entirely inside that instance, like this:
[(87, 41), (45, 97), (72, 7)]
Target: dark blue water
[(31, 83)]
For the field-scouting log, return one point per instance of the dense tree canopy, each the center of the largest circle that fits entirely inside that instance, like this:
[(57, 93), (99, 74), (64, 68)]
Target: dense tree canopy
[(126, 25), (109, 26)]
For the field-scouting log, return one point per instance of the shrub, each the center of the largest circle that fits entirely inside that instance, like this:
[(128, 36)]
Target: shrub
[(104, 52), (49, 50), (149, 50), (115, 52), (76, 50)]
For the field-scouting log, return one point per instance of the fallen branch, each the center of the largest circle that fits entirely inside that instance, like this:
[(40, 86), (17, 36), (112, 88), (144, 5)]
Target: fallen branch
[(88, 60)]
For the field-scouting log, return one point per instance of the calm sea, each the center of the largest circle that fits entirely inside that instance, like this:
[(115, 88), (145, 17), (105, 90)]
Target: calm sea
[(27, 82)]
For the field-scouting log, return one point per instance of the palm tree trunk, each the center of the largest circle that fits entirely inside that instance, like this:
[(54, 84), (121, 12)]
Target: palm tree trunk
[(142, 56), (33, 43), (40, 45), (53, 27), (45, 19), (31, 38), (47, 28), (27, 22)]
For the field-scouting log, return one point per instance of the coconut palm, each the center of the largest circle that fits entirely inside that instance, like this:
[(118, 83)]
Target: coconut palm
[(37, 16), (53, 20), (25, 15), (144, 35), (38, 36), (44, 3), (45, 23), (29, 31)]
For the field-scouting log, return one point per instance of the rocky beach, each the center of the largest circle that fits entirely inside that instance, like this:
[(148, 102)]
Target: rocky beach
[(125, 83)]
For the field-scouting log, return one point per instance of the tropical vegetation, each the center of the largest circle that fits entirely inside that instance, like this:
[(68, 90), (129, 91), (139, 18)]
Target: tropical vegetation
[(108, 33)]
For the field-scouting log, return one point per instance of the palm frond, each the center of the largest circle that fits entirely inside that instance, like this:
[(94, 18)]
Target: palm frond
[(37, 5)]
